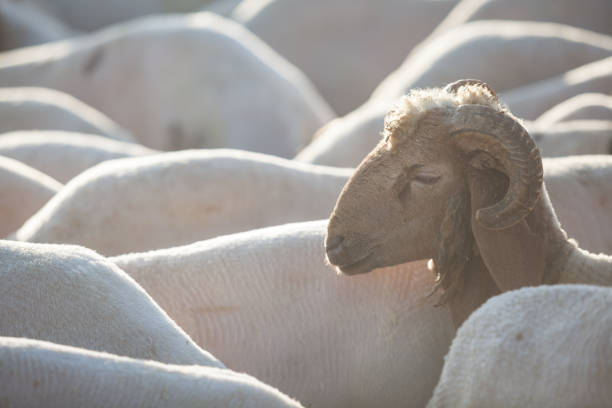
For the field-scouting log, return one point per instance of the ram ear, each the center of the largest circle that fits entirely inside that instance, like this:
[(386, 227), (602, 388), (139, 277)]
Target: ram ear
[(514, 256)]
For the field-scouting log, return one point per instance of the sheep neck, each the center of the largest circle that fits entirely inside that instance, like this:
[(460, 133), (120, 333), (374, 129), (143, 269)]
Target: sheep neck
[(584, 267), (566, 262)]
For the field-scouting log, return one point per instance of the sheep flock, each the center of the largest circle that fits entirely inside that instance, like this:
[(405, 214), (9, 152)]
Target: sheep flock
[(289, 203)]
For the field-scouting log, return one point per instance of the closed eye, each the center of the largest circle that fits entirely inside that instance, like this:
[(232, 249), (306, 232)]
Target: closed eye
[(426, 178)]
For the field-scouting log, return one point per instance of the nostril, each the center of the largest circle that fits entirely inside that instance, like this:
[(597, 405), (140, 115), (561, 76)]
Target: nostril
[(333, 242)]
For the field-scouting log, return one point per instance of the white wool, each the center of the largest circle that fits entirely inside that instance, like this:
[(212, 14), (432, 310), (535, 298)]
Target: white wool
[(504, 54), (48, 109), (91, 16), (574, 137), (71, 295), (373, 36), (265, 302), (347, 140), (24, 190), (24, 24), (179, 82), (584, 106), (402, 121), (579, 185), (547, 346), (38, 373), (570, 12), (63, 155), (176, 198), (531, 100)]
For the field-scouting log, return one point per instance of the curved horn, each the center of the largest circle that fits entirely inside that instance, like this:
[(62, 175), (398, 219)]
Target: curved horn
[(478, 127), (454, 86)]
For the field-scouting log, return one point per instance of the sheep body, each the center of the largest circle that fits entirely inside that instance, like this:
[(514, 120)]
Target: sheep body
[(265, 302), (177, 198), (157, 75), (532, 100), (71, 295), (546, 346), (570, 12), (24, 191), (579, 185), (48, 109), (574, 137), (24, 24), (345, 141), (63, 155), (96, 16), (501, 53), (39, 373), (583, 106), (344, 31)]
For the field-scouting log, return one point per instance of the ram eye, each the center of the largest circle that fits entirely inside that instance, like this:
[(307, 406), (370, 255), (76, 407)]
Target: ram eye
[(426, 178)]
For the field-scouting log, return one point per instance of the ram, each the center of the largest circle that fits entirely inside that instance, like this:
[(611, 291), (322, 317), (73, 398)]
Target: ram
[(458, 180)]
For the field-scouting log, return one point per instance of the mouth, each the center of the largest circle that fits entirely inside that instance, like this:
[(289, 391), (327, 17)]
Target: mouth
[(360, 266)]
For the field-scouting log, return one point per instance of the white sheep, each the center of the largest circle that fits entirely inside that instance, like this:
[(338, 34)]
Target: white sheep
[(38, 373), (91, 16), (573, 137), (346, 47), (223, 8), (48, 109), (497, 52), (24, 191), (570, 12), (532, 100), (457, 179), (176, 198), (63, 155), (180, 82), (547, 346), (579, 185), (266, 303), (584, 106), (73, 296), (23, 24), (345, 141)]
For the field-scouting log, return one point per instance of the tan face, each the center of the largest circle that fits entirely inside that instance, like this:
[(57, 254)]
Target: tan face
[(391, 209)]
